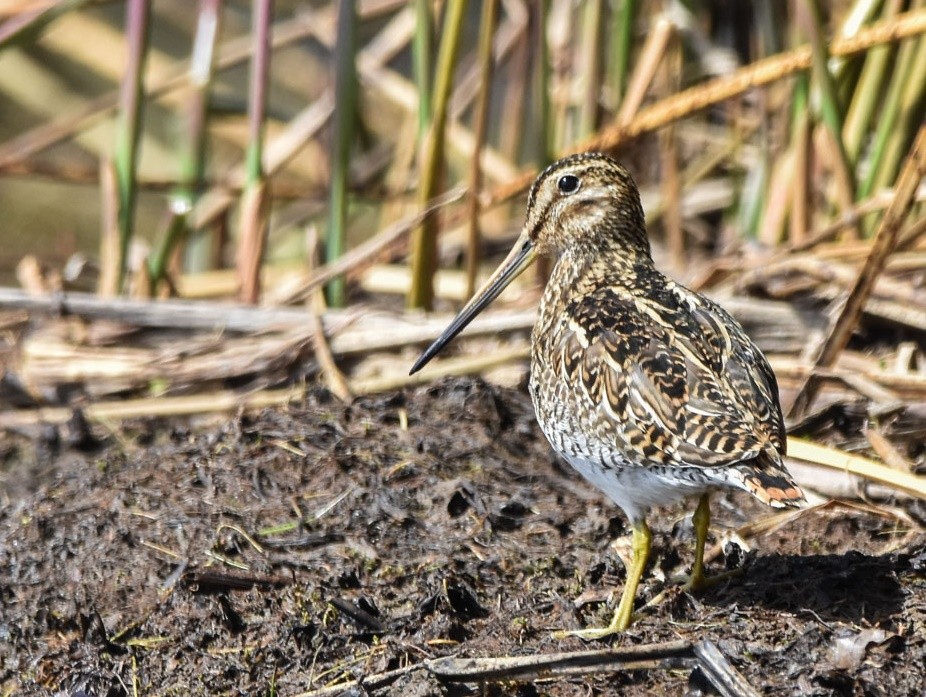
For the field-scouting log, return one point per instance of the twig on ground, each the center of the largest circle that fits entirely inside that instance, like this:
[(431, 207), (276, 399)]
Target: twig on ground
[(703, 655), (721, 673)]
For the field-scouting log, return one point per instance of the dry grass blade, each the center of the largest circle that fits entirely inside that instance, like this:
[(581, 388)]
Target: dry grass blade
[(47, 134), (464, 365), (333, 376), (853, 464), (228, 401)]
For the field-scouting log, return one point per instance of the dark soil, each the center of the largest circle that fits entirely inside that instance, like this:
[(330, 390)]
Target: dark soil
[(321, 543)]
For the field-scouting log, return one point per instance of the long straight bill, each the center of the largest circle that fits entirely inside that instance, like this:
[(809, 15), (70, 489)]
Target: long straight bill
[(518, 259)]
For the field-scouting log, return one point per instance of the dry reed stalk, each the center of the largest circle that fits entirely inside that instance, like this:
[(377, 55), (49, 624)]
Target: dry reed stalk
[(302, 128), (255, 205), (668, 147), (912, 484), (909, 386), (651, 55), (779, 195), (891, 456), (153, 407), (801, 179), (838, 337), (316, 306), (720, 89), (230, 54), (849, 218), (108, 283), (255, 209), (366, 253)]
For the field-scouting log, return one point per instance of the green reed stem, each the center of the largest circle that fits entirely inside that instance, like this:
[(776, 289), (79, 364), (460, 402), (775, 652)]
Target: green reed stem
[(128, 124), (867, 96), (831, 111), (906, 116), (623, 15), (801, 128), (546, 128), (421, 56), (345, 120), (192, 146), (424, 240), (487, 23), (591, 53), (254, 213)]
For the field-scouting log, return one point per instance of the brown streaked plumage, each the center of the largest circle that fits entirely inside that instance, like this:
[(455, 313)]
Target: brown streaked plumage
[(650, 390)]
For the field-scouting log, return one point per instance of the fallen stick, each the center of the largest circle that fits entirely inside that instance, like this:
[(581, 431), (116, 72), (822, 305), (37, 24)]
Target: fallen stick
[(674, 654), (703, 655), (212, 316)]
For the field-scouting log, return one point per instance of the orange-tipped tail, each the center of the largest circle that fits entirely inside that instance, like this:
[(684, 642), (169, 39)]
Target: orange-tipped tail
[(767, 479)]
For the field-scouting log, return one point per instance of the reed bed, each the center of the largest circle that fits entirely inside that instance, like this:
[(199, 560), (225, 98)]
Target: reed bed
[(208, 155)]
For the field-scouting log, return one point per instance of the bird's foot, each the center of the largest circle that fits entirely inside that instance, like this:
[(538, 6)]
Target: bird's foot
[(642, 539), (699, 581), (593, 633), (621, 620), (693, 583)]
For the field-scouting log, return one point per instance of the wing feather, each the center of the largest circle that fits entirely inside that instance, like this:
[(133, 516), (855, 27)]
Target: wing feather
[(678, 383)]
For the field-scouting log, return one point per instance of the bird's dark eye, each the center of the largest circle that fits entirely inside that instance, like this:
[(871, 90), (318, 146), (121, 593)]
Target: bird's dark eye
[(568, 184)]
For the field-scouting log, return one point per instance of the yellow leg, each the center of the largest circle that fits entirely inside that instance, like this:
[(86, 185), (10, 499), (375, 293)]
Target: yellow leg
[(702, 523), (641, 542)]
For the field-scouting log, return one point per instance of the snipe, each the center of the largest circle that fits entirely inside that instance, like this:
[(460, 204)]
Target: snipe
[(650, 390)]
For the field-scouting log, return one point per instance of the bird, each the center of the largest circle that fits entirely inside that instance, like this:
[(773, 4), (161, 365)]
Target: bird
[(651, 391)]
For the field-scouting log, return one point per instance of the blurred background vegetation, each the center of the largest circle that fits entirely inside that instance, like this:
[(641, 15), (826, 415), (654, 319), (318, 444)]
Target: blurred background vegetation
[(216, 148)]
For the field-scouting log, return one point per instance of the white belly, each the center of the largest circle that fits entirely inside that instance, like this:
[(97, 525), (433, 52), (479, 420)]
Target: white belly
[(636, 489)]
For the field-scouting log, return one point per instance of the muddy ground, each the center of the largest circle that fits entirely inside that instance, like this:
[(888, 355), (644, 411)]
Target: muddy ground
[(304, 547)]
